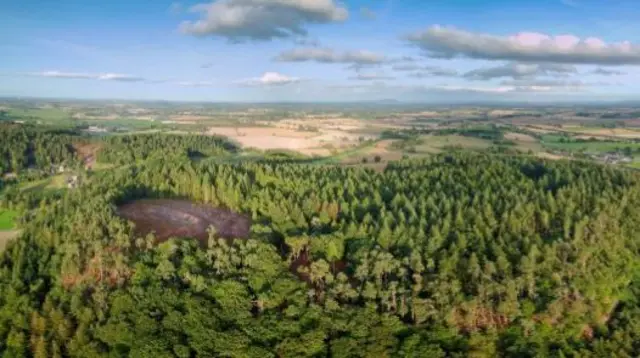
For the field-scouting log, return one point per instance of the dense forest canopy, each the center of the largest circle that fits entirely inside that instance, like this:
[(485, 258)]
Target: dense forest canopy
[(461, 254), (125, 149), (25, 146)]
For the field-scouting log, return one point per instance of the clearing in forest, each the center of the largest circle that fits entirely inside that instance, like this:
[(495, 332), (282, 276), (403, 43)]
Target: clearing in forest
[(7, 219), (6, 236), (7, 224), (168, 218), (87, 153)]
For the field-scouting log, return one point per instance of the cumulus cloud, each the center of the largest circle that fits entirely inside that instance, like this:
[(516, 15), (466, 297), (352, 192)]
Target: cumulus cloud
[(94, 76), (261, 20), (269, 79), (607, 72), (327, 55), (520, 70), (448, 42)]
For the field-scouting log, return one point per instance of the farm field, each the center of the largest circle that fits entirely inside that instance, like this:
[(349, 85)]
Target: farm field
[(273, 137)]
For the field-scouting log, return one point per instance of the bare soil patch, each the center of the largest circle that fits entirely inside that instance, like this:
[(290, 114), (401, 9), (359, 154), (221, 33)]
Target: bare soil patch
[(168, 218), (6, 236), (87, 152)]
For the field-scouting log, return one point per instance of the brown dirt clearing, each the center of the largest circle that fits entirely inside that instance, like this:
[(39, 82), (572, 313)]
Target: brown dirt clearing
[(6, 236), (87, 152), (182, 218)]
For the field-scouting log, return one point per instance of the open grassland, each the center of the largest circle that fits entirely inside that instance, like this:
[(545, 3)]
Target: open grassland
[(436, 143), (524, 142), (7, 219), (54, 182)]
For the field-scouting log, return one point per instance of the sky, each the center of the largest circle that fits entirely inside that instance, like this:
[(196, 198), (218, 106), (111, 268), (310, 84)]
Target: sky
[(322, 50)]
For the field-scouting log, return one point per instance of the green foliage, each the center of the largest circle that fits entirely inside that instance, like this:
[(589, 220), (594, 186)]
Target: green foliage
[(25, 146), (131, 148), (462, 254)]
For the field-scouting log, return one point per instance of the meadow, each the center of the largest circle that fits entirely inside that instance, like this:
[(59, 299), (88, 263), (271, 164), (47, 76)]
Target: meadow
[(558, 142), (7, 219)]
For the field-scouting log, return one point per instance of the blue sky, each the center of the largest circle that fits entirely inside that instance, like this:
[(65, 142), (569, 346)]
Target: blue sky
[(321, 50)]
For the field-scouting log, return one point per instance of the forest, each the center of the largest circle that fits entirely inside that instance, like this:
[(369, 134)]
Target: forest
[(22, 147), (461, 254)]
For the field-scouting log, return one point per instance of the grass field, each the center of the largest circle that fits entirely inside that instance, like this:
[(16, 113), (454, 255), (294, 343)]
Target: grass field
[(54, 182), (436, 144), (553, 142), (7, 219)]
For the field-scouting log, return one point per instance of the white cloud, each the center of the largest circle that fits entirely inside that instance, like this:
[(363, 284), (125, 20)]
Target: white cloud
[(93, 76), (261, 20), (448, 42), (327, 55), (58, 74), (521, 70), (119, 77), (269, 79)]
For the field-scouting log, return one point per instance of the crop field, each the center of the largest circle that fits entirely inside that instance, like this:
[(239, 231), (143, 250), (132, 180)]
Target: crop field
[(275, 137)]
